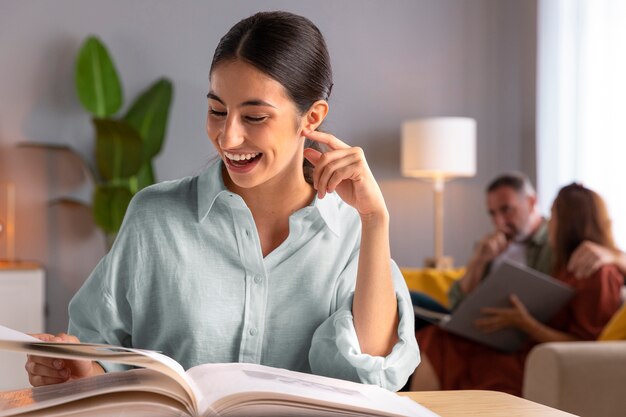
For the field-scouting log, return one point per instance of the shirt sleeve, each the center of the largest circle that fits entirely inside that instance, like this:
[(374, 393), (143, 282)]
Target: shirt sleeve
[(100, 312), (596, 299), (335, 349)]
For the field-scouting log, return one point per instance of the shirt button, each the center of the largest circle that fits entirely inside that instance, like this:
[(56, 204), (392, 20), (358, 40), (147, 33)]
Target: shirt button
[(247, 233), (258, 279), (253, 331)]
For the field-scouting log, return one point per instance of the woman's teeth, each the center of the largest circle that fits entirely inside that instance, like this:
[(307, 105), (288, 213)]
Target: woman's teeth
[(241, 156)]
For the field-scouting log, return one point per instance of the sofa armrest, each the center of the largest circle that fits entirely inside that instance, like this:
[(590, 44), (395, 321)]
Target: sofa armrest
[(584, 378)]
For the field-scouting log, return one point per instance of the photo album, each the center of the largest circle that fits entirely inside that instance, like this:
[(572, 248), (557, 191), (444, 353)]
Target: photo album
[(541, 294), (159, 386)]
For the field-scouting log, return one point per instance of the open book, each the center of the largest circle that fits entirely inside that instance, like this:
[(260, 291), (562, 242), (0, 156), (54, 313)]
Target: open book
[(162, 388), (541, 294)]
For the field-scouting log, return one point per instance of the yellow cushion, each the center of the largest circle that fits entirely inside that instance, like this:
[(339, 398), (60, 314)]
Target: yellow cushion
[(433, 282), (616, 327)]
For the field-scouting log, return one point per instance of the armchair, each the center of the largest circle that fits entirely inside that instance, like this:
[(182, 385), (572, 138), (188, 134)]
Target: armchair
[(583, 378)]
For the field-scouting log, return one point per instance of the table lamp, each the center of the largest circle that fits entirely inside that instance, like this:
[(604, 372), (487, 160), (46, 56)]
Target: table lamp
[(439, 149), (7, 221)]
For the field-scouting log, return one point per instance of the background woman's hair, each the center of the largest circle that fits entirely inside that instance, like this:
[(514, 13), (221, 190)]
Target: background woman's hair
[(581, 214), (288, 48)]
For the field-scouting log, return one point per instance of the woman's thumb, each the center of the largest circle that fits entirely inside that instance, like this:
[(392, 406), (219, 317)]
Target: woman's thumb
[(312, 155)]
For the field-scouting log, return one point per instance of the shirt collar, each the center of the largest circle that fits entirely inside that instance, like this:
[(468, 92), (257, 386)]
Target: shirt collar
[(540, 237), (328, 208), (211, 185)]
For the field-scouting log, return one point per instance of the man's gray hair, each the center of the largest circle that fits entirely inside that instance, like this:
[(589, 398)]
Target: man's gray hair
[(516, 180)]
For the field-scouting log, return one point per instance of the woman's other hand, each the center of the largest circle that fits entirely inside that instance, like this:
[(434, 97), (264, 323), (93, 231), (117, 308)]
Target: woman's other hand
[(343, 169), (589, 257), (45, 371), (501, 318)]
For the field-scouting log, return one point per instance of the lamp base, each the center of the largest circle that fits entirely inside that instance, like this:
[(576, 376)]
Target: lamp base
[(445, 262)]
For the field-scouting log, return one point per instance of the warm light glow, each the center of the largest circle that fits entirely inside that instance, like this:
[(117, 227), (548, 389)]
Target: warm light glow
[(7, 220)]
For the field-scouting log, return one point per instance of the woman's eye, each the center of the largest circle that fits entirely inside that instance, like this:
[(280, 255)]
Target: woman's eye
[(256, 119), (217, 113)]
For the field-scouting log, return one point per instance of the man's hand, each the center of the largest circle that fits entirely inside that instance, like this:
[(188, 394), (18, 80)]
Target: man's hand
[(589, 257), (485, 251), (490, 246)]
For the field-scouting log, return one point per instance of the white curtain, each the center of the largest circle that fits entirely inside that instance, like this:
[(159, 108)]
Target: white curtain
[(581, 102)]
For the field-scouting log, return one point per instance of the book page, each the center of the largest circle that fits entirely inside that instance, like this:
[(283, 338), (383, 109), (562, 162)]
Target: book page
[(19, 342), (246, 389), (137, 381), (137, 404), (10, 334), (430, 315)]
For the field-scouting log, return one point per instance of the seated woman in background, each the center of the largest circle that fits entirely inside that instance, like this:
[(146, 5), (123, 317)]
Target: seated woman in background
[(452, 362)]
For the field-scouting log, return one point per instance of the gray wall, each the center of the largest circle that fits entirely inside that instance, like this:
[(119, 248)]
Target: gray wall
[(393, 60)]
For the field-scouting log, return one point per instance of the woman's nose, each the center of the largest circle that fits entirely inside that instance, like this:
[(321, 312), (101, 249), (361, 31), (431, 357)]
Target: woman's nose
[(232, 135)]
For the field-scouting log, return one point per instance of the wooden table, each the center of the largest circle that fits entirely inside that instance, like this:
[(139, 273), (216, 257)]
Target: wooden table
[(481, 403)]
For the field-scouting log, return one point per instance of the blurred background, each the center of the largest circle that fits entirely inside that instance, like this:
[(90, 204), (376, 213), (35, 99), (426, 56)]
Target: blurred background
[(393, 61)]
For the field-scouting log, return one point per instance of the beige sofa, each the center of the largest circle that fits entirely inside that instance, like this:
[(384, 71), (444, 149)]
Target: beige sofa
[(583, 378)]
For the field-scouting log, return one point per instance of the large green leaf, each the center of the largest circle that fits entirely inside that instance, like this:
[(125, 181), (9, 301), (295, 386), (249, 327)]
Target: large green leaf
[(145, 176), (109, 206), (119, 152), (148, 115), (97, 84)]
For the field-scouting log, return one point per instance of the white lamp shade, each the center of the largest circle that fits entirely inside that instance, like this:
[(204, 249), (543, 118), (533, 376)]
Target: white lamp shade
[(440, 147)]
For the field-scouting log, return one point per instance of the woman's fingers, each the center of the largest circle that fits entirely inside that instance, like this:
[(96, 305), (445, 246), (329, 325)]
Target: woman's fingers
[(35, 368), (53, 363), (38, 380), (326, 138), (340, 166), (326, 164), (517, 303), (44, 370), (489, 324), (312, 155)]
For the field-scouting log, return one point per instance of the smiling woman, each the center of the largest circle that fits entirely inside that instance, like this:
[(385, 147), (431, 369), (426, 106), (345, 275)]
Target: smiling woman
[(256, 260)]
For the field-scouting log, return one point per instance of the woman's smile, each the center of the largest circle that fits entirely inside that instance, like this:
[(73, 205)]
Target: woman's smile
[(242, 162)]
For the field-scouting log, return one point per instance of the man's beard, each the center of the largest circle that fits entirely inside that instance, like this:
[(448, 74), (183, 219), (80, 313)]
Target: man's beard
[(520, 236)]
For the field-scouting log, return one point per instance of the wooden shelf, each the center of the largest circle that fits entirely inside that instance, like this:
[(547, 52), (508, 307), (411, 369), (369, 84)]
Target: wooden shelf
[(18, 265)]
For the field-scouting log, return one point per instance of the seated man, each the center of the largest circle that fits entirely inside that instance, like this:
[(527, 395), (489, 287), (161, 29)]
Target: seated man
[(521, 235)]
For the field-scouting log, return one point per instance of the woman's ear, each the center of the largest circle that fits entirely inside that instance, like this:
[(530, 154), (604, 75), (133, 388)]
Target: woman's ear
[(315, 115)]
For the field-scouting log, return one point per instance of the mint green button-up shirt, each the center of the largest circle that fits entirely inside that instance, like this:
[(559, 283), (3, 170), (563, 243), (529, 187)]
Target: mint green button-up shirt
[(186, 277)]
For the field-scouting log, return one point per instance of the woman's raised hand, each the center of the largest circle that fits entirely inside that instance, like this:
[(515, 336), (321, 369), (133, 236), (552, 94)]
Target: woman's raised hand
[(343, 169), (45, 371)]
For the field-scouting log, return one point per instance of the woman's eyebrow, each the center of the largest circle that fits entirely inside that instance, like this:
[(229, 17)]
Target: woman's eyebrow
[(255, 102), (214, 97)]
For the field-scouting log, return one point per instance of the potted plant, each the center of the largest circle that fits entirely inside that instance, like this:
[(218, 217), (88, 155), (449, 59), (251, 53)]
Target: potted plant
[(125, 144)]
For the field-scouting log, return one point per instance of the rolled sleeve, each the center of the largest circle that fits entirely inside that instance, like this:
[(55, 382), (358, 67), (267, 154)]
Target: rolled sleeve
[(336, 352)]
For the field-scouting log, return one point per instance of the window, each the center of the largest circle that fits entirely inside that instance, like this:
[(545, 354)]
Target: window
[(581, 108)]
